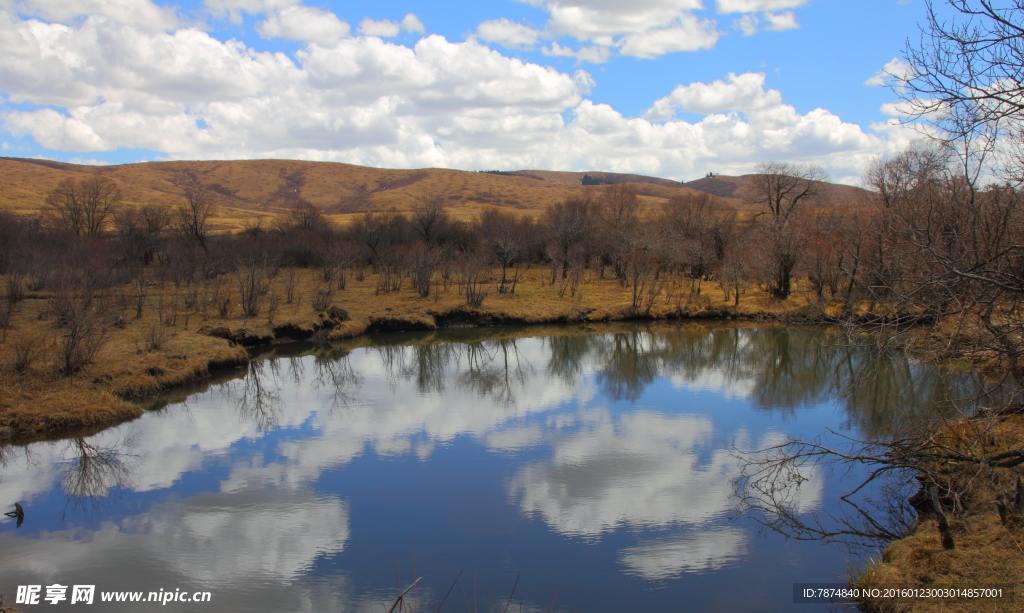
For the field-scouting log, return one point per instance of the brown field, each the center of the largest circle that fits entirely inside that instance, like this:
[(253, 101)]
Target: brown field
[(247, 190)]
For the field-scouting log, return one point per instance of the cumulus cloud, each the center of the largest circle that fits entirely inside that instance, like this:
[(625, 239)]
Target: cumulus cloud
[(748, 24), (138, 13), (895, 68), (387, 29), (306, 24), (646, 30), (686, 33), (744, 93), (99, 85), (780, 22), (508, 33), (592, 53)]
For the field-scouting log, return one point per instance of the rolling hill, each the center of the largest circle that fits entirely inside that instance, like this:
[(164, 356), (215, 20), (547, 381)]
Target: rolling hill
[(246, 190)]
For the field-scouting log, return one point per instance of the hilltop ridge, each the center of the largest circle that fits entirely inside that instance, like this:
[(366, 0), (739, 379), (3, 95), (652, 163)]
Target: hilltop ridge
[(246, 190)]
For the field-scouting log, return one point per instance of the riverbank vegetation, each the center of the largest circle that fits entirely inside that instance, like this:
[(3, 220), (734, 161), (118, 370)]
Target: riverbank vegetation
[(953, 264)]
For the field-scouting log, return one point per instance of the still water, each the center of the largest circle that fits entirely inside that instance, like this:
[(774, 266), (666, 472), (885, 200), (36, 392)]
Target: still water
[(594, 464)]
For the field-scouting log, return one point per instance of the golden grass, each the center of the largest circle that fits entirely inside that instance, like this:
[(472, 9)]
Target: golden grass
[(246, 190), (987, 550), (38, 402)]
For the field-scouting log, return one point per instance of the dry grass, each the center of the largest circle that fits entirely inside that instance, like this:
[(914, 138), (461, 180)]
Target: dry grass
[(245, 191), (988, 551), (147, 355)]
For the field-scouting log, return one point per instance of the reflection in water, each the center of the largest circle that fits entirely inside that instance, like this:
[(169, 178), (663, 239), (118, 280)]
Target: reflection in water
[(643, 470), (254, 402), (92, 470), (704, 550), (577, 443)]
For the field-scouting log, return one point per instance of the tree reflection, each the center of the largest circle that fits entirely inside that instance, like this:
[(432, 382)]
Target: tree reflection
[(93, 471), (631, 361), (336, 375), (496, 369), (778, 369), (254, 402)]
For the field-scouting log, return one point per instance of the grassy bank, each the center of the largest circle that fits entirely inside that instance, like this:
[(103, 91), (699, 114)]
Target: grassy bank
[(180, 334), (988, 541)]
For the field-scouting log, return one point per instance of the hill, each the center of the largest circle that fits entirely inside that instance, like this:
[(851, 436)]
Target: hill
[(246, 190)]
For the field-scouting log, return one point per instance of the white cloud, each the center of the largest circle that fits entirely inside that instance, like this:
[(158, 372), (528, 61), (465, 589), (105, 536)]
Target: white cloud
[(233, 9), (508, 33), (412, 23), (698, 549), (754, 6), (384, 28), (743, 93), (363, 100), (304, 23), (387, 29), (895, 68), (686, 34), (88, 161), (780, 22), (592, 53), (138, 13), (748, 24)]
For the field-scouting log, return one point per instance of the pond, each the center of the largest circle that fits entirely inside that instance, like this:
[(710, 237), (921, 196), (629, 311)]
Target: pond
[(580, 468)]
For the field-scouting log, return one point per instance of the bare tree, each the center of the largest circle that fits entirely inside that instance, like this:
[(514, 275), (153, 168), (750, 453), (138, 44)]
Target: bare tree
[(967, 74), (781, 189), (84, 318), (504, 236), (618, 217), (429, 218), (306, 216), (194, 215), (569, 224), (82, 207)]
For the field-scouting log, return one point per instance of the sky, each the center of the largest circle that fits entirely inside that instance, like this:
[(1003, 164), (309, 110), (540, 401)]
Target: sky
[(668, 88)]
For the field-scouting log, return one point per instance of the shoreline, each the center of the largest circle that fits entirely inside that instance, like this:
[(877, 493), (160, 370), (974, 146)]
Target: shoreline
[(247, 348), (114, 388), (37, 404)]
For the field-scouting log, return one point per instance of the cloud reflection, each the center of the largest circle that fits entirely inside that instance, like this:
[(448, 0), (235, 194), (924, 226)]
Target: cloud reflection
[(691, 551)]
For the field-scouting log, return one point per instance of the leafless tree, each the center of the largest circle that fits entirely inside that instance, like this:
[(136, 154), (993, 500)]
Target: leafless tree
[(473, 272), (194, 215), (618, 226), (305, 216), (505, 237), (967, 74), (84, 318), (429, 218), (781, 189), (569, 223), (82, 207)]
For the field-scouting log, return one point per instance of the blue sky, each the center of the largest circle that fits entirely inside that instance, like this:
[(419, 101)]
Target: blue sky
[(671, 88)]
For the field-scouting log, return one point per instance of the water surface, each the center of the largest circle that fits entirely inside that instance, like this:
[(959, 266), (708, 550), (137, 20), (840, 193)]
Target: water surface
[(593, 463)]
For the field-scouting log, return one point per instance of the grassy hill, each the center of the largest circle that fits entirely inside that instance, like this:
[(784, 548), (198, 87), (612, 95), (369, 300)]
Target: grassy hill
[(246, 190)]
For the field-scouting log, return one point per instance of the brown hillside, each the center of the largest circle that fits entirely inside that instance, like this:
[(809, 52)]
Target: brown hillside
[(739, 188), (246, 190)]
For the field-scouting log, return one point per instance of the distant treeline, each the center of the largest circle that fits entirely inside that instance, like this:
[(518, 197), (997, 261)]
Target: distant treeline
[(934, 245)]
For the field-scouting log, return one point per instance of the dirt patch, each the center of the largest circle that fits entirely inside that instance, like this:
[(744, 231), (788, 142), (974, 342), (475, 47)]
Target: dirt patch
[(390, 323)]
